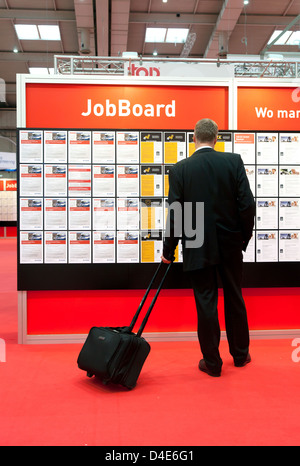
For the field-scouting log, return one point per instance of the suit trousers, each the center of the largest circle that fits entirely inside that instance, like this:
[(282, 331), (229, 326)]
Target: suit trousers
[(205, 285)]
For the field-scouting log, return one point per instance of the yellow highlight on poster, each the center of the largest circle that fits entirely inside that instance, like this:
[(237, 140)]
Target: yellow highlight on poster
[(147, 251), (147, 185), (166, 185), (191, 148), (220, 146), (171, 151), (148, 218), (147, 152), (176, 254)]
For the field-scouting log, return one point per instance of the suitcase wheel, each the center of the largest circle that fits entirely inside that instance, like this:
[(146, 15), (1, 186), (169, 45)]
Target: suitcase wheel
[(131, 387), (89, 374)]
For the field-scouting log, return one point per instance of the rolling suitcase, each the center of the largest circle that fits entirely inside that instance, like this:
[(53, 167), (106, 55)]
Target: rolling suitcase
[(116, 354)]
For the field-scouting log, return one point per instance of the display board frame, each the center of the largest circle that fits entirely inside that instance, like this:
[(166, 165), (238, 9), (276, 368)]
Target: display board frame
[(91, 276)]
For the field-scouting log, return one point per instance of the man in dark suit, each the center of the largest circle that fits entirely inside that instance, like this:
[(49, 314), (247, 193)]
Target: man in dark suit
[(216, 185)]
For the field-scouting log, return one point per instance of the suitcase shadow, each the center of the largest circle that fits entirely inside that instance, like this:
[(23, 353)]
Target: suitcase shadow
[(96, 385)]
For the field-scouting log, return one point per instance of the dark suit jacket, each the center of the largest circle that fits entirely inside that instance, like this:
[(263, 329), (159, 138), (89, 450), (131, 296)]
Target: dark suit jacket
[(219, 181)]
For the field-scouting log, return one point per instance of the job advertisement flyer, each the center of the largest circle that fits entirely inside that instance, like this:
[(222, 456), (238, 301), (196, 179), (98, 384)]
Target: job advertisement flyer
[(103, 180), (289, 148), (289, 246), (267, 214), (267, 181), (289, 182), (31, 214), (151, 147), (151, 180), (128, 180), (55, 247), (79, 247), (104, 147), (55, 214), (104, 247), (128, 147), (151, 211), (174, 147), (55, 147), (79, 214), (128, 246), (267, 148), (267, 246), (244, 144), (128, 213), (151, 246), (31, 247), (31, 146), (80, 180), (289, 213), (55, 180), (31, 180), (104, 217), (80, 146), (224, 142)]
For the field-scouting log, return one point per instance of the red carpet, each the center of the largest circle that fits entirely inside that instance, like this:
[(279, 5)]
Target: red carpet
[(45, 400)]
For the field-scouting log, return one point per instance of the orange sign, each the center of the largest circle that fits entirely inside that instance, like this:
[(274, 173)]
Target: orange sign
[(11, 185), (269, 108), (124, 106), (244, 138)]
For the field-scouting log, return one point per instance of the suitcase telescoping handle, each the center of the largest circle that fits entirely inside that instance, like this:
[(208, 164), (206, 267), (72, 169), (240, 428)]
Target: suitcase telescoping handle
[(141, 329)]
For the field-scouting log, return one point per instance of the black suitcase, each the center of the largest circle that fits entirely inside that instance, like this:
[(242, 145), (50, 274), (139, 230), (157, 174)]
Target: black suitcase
[(116, 354)]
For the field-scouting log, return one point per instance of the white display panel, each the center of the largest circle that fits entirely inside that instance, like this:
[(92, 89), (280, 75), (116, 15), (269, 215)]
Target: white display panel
[(99, 196)]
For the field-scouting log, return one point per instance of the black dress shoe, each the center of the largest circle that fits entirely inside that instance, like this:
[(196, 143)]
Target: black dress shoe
[(203, 367), (243, 363)]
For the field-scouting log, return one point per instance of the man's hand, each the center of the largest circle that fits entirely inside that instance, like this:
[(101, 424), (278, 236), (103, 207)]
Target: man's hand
[(165, 261)]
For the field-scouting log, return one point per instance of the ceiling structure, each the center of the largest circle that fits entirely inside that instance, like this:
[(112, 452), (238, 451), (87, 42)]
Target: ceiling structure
[(105, 28)]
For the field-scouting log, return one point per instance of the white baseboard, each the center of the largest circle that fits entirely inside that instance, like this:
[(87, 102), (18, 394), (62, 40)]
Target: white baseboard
[(163, 336)]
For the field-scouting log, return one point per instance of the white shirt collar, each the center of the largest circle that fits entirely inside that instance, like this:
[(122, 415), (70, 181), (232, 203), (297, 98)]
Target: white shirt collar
[(204, 147)]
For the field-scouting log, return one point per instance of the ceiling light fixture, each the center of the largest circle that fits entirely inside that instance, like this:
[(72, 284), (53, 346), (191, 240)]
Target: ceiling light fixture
[(155, 53), (166, 35), (40, 32), (27, 32), (246, 2), (155, 34), (48, 32), (176, 36)]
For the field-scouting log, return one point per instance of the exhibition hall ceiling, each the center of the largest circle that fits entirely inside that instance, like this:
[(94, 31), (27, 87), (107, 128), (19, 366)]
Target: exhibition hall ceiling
[(211, 29)]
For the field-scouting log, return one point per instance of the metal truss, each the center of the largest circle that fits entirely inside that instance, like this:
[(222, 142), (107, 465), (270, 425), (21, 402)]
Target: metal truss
[(100, 66)]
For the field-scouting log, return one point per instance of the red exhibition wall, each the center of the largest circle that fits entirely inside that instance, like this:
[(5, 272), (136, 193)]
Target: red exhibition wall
[(67, 105), (269, 109), (120, 106)]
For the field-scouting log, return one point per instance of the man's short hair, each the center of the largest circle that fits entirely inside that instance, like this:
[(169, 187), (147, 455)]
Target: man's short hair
[(206, 130)]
